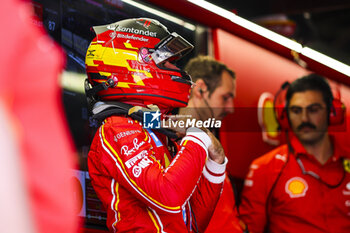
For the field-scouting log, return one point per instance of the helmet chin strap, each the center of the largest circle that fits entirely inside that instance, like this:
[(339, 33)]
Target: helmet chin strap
[(92, 91)]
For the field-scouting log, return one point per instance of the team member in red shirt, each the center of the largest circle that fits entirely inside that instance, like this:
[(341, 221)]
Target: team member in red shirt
[(303, 186), (212, 97), (146, 181)]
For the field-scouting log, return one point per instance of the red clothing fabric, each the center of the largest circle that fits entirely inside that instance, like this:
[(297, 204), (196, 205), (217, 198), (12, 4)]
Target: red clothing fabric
[(225, 217), (143, 189), (30, 67), (277, 194)]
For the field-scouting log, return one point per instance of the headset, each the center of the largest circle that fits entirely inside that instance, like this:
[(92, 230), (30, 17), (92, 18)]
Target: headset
[(336, 115)]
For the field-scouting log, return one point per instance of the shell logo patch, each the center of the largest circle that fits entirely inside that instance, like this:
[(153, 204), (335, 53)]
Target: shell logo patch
[(296, 187)]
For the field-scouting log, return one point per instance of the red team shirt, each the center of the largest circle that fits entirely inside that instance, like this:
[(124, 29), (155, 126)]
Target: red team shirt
[(143, 189), (276, 191), (225, 217)]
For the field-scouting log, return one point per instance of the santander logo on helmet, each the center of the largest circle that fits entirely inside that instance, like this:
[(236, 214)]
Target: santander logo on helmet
[(132, 30), (133, 52)]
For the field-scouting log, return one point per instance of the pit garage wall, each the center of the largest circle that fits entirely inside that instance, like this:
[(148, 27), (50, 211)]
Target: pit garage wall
[(257, 70)]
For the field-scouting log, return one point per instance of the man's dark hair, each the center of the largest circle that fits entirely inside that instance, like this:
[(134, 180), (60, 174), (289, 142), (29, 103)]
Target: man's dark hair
[(312, 82), (209, 70)]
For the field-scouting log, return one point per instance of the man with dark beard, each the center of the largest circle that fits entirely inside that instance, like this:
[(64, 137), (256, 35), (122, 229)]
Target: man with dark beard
[(303, 186)]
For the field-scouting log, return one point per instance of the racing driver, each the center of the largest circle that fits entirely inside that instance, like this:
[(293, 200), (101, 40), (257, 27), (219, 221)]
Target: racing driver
[(146, 181)]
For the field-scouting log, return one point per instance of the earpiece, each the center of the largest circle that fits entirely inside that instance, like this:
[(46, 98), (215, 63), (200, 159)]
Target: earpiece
[(206, 102)]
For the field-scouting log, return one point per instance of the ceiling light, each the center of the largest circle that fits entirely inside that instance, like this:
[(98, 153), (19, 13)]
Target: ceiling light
[(161, 14), (249, 25), (325, 60), (294, 46)]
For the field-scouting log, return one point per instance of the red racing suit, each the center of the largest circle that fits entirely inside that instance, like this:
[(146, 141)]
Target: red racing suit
[(279, 196), (143, 189)]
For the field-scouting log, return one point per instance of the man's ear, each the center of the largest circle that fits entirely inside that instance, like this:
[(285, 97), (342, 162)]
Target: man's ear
[(199, 88)]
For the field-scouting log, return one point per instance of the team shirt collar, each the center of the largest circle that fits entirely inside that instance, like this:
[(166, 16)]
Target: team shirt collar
[(339, 150)]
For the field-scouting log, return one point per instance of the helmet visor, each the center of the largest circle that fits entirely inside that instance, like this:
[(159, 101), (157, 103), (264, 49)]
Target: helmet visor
[(171, 48)]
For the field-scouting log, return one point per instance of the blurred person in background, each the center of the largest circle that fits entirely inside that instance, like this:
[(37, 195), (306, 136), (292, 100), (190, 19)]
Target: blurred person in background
[(304, 185), (212, 97), (37, 194)]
